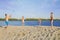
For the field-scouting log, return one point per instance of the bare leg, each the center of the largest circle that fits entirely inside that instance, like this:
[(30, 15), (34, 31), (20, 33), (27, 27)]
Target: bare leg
[(52, 23), (22, 24)]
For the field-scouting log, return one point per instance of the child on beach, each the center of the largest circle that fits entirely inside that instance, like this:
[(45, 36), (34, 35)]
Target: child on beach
[(39, 20), (7, 18), (51, 18), (22, 20)]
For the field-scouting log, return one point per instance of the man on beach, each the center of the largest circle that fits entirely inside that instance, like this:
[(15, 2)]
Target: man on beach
[(7, 18), (51, 18)]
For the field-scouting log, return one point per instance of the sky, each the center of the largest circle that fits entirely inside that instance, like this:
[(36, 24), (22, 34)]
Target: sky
[(30, 8)]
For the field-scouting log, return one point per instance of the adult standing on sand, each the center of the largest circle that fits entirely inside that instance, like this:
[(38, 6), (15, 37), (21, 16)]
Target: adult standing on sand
[(22, 20), (51, 19), (7, 18)]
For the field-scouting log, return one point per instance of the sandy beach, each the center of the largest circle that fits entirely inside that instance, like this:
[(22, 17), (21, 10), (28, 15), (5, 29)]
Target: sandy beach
[(29, 33)]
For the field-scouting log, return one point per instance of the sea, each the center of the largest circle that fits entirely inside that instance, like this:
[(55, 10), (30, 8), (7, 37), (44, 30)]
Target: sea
[(31, 23)]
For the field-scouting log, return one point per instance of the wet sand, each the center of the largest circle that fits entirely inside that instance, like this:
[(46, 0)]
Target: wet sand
[(30, 33)]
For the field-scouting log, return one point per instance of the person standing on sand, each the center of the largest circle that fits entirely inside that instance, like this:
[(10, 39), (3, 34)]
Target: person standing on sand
[(51, 18), (39, 21), (7, 18), (22, 20)]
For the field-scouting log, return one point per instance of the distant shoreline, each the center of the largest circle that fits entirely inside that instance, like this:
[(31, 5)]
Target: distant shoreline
[(29, 19)]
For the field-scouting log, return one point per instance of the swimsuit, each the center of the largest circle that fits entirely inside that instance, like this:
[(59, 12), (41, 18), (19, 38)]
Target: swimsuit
[(6, 22)]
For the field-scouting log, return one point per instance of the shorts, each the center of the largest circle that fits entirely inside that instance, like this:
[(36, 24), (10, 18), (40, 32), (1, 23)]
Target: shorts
[(6, 23)]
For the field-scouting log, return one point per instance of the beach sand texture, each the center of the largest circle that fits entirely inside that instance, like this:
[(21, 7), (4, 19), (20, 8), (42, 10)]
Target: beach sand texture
[(29, 33)]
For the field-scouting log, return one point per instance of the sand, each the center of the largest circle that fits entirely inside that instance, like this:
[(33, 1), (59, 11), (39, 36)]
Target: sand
[(29, 33)]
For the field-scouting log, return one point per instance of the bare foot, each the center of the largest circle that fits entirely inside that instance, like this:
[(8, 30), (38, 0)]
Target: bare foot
[(5, 27)]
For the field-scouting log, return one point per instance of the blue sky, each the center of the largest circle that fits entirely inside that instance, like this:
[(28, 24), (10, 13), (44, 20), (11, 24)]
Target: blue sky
[(30, 8)]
